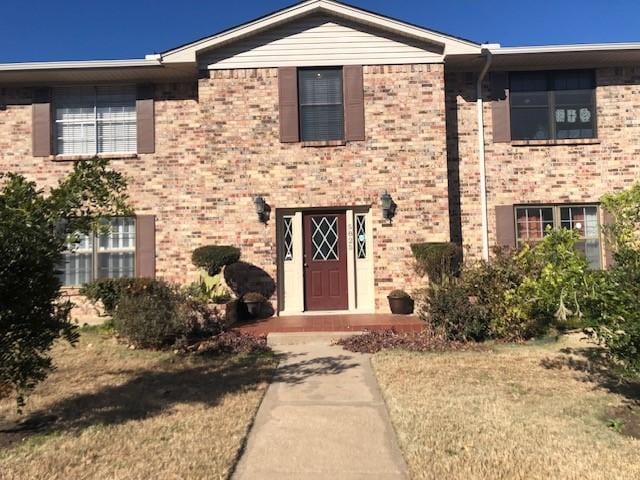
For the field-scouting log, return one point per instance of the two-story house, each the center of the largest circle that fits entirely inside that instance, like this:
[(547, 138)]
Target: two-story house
[(323, 140)]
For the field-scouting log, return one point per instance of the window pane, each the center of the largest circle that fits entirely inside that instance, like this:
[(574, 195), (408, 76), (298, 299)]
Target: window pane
[(361, 236), (591, 222), (77, 263), (288, 238), (528, 82), (321, 122), (573, 80), (574, 114), (532, 222), (121, 235), (116, 265), (321, 110), (591, 249), (116, 112), (530, 124)]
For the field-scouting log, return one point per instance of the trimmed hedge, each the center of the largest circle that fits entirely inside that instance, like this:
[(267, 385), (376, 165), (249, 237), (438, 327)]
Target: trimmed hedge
[(213, 257), (437, 260)]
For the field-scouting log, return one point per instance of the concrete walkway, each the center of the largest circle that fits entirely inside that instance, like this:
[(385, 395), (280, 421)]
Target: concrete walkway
[(323, 417)]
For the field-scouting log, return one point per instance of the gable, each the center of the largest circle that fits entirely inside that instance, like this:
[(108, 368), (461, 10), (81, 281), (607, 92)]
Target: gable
[(281, 30), (319, 40)]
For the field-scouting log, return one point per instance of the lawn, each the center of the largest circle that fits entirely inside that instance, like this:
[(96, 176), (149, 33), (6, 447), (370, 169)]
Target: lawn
[(111, 412), (542, 411)]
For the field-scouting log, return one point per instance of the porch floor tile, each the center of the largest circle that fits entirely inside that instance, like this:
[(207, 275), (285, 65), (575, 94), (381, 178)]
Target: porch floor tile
[(333, 323)]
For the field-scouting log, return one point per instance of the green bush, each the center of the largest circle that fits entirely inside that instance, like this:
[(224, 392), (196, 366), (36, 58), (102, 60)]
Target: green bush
[(448, 307), (614, 300), (108, 291), (156, 314), (34, 230), (515, 296), (437, 260), (212, 258)]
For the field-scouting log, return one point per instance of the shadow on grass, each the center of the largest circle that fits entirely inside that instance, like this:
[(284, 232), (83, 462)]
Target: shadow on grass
[(598, 368), (148, 393)]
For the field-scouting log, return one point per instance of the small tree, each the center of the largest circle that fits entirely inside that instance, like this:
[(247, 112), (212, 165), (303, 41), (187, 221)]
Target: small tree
[(34, 231)]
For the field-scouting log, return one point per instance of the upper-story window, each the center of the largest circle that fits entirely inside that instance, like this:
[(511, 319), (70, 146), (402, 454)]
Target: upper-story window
[(320, 104), (553, 105), (92, 120)]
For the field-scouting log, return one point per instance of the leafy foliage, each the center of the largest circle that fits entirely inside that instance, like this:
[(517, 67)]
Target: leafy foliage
[(212, 258), (34, 229), (614, 299), (108, 291), (517, 295), (253, 297), (398, 294), (208, 290), (156, 314), (437, 260)]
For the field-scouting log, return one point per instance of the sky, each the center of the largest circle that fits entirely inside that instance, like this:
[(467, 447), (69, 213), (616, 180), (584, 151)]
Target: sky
[(47, 30)]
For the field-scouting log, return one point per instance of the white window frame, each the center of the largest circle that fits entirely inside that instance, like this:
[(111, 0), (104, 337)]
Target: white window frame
[(95, 121), (557, 223), (96, 250)]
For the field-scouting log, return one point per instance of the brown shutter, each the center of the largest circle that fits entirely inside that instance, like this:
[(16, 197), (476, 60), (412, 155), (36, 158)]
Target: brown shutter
[(607, 219), (500, 110), (353, 103), (288, 93), (146, 246), (41, 127), (146, 119), (505, 226)]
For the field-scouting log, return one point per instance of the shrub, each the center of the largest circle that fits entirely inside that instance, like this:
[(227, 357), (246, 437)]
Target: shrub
[(398, 294), (253, 297), (108, 291), (208, 291), (447, 307), (212, 258), (437, 260), (156, 314), (34, 230)]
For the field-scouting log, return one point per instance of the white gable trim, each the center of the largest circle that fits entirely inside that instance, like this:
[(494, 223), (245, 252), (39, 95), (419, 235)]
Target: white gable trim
[(451, 45)]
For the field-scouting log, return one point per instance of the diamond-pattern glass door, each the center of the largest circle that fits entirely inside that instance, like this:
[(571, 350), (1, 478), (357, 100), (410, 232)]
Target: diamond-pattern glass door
[(324, 239), (325, 261)]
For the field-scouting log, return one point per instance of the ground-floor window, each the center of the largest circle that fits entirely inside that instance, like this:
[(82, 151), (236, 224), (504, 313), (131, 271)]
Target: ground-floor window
[(109, 254), (532, 223)]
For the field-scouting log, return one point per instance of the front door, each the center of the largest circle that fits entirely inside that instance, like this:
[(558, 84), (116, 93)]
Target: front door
[(325, 261)]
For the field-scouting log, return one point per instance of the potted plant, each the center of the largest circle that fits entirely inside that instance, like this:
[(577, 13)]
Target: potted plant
[(254, 302), (400, 302)]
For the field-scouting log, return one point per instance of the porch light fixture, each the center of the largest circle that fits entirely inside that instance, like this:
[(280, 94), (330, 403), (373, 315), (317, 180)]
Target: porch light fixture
[(388, 206), (262, 209)]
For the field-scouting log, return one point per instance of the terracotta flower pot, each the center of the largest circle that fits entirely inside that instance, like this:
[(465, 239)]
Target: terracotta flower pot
[(401, 305)]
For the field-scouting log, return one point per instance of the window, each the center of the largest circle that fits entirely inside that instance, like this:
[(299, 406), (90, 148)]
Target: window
[(288, 238), (532, 223), (108, 254), (361, 236), (92, 120), (552, 105), (320, 103)]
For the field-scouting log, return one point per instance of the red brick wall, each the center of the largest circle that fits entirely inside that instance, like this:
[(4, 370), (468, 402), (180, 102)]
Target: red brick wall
[(542, 174), (217, 146)]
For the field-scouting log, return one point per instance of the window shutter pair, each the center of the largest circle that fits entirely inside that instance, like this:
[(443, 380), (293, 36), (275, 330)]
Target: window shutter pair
[(500, 107), (353, 103), (43, 126)]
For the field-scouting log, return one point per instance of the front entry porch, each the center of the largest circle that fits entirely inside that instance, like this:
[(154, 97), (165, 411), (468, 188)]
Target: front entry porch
[(333, 323)]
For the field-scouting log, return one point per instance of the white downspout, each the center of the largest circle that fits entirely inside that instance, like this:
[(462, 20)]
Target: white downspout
[(483, 173)]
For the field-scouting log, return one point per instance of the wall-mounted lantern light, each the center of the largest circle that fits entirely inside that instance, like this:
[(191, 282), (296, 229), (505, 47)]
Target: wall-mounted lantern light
[(262, 209), (388, 206)]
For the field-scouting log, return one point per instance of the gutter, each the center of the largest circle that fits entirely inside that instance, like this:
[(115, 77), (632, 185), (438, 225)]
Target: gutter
[(486, 53)]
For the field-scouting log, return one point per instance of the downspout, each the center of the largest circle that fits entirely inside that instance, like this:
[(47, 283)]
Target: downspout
[(486, 53)]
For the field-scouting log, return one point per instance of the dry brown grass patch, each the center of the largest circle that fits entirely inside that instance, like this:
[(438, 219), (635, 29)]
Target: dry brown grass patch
[(111, 412), (505, 414)]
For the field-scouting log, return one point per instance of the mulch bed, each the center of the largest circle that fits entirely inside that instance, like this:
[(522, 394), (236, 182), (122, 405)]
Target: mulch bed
[(425, 341)]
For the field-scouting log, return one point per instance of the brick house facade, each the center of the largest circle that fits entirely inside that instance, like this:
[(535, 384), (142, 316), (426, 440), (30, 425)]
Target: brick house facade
[(217, 131)]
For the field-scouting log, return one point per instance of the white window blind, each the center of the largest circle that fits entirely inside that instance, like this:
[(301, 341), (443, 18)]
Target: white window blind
[(91, 120)]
